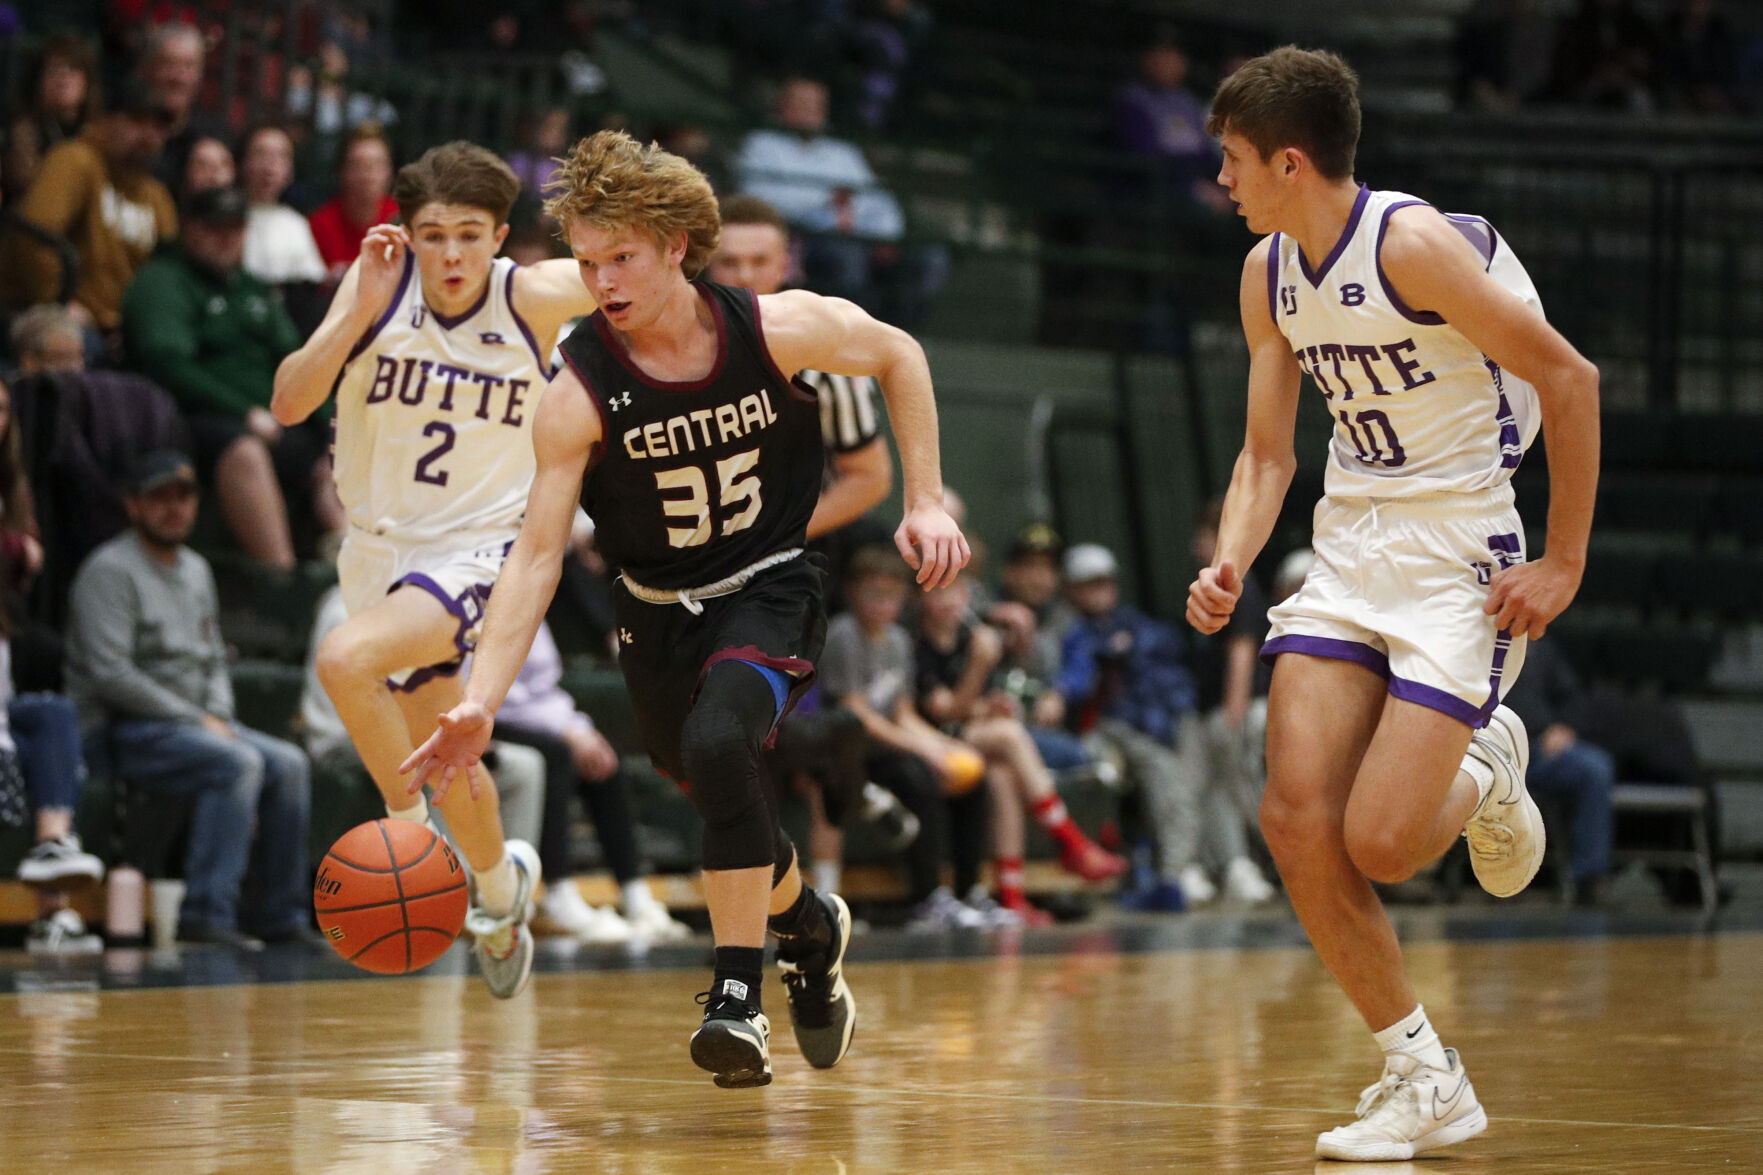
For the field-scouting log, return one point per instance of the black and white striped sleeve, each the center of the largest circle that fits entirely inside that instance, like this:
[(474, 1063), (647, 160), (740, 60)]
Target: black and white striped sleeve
[(850, 417)]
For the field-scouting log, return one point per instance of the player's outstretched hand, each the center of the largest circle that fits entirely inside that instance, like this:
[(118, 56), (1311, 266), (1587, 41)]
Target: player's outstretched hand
[(1213, 597), (932, 545), (1525, 599), (382, 264), (454, 749)]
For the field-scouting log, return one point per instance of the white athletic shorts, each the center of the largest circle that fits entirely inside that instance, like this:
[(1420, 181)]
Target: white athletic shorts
[(370, 566), (1398, 586)]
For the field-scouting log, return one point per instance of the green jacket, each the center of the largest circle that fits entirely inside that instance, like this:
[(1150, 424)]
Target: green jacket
[(213, 342)]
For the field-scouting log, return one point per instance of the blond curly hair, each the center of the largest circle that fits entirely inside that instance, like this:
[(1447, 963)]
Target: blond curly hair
[(611, 181)]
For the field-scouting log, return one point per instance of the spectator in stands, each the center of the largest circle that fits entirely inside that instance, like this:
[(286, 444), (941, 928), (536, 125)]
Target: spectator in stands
[(172, 60), (1567, 773), (1031, 616), (208, 163), (363, 199), (61, 97), (1124, 682), (545, 140), (886, 36), (540, 714), (867, 664), (1698, 59), (1503, 52), (321, 99), (957, 691), (1231, 712), (825, 187), (212, 335), (279, 249), (1158, 117), (147, 669), (98, 191), (1604, 57), (47, 338)]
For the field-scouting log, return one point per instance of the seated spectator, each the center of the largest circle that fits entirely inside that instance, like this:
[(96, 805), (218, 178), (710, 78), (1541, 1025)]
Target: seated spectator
[(544, 141), (148, 671), (1569, 774), (40, 748), (1125, 685), (824, 187), (1503, 52), (1159, 118), (321, 99), (1031, 617), (867, 665), (886, 37), (1604, 57), (97, 191), (1698, 59), (956, 660), (47, 338), (363, 199), (538, 713), (1231, 704), (212, 335), (61, 97), (172, 60), (279, 249), (208, 163)]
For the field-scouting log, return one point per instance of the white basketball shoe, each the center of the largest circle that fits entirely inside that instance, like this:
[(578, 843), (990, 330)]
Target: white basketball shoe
[(1414, 1107), (1505, 832)]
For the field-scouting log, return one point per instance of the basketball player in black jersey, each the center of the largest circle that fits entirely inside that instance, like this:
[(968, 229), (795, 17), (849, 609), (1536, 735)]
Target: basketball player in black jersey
[(677, 425)]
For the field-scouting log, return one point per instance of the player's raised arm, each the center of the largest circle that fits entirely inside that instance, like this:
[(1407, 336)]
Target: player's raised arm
[(1264, 468), (565, 433), (1433, 268), (804, 330), (304, 380), (549, 294)]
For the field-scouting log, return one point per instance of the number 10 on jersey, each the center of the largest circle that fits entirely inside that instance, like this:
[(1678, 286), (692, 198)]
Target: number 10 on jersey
[(737, 479)]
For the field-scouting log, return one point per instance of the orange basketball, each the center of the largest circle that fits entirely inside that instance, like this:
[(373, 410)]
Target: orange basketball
[(390, 896), (962, 771)]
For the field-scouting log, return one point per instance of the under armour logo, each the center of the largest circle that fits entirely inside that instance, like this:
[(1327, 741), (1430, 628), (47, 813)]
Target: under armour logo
[(618, 402), (490, 338), (624, 636)]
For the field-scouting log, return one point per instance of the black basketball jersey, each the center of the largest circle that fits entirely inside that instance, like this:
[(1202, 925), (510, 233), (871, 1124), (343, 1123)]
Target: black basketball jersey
[(694, 481)]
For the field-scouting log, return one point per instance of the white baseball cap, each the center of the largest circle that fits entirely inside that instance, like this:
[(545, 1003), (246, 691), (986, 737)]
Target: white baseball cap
[(1089, 561)]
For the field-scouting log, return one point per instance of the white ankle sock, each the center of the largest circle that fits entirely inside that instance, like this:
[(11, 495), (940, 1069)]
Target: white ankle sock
[(496, 886), (417, 813), (1480, 774), (1413, 1034)]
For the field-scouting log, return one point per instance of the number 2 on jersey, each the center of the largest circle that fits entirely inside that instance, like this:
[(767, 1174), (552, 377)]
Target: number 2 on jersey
[(738, 483), (443, 430)]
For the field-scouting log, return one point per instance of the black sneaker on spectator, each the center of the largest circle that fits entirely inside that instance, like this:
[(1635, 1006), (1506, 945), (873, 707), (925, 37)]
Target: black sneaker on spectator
[(59, 860), (883, 808), (299, 935), (202, 934), (62, 933)]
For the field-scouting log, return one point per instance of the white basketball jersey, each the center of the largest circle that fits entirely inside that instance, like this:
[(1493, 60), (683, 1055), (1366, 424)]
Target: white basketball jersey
[(435, 416), (1418, 409)]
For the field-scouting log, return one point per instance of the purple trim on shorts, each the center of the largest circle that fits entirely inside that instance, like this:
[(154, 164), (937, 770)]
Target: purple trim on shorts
[(1434, 698), (449, 323), (455, 605), (801, 671), (1273, 280), (1340, 246), (1333, 648), (531, 340), (1423, 317), (373, 332)]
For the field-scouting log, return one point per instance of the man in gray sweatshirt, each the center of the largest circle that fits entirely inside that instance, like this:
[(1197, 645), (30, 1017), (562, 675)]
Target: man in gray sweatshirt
[(148, 671)]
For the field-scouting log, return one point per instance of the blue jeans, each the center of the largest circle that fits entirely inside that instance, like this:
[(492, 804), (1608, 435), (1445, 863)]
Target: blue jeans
[(47, 731), (1578, 781), (1060, 749), (235, 782)]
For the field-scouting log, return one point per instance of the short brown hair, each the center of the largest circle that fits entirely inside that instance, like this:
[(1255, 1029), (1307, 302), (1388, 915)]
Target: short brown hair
[(876, 562), (1292, 97), (745, 209), (612, 181), (456, 173)]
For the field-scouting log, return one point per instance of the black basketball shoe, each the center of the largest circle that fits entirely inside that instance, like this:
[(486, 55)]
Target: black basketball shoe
[(821, 1007), (734, 1042)]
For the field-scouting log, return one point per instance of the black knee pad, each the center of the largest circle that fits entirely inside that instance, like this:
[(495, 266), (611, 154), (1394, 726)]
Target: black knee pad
[(720, 749)]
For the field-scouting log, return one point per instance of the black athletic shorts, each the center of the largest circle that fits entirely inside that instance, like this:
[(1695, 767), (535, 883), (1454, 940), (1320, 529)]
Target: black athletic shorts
[(778, 619)]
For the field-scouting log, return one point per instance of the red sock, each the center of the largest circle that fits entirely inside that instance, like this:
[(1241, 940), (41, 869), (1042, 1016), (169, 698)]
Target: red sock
[(1012, 882), (1051, 815)]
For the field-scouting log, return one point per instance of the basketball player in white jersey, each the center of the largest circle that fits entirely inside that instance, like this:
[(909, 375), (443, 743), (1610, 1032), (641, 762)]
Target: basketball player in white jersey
[(434, 349), (1385, 738)]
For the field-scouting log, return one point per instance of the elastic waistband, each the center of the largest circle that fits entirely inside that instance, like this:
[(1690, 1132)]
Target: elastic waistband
[(1486, 503), (459, 542), (688, 597)]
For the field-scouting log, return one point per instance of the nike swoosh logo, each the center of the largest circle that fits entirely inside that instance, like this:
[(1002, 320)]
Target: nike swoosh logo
[(1442, 1107), (1415, 1033)]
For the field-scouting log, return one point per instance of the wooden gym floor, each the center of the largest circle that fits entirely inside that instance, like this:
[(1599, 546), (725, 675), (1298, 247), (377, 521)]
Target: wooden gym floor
[(1210, 1043)]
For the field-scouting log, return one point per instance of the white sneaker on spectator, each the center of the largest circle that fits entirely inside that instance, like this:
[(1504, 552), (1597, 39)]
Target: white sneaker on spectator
[(1243, 881), (608, 927), (995, 914), (62, 933), (1412, 1108), (650, 921), (942, 910), (1196, 887), (56, 860), (566, 910)]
